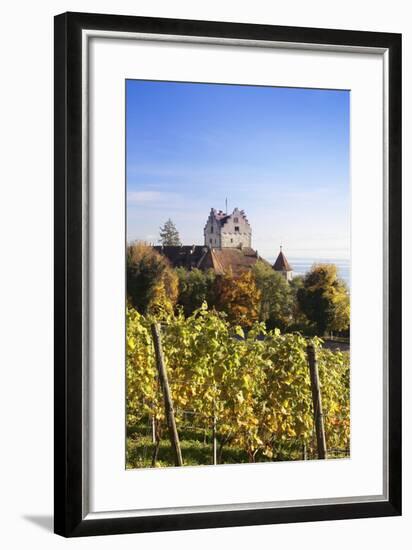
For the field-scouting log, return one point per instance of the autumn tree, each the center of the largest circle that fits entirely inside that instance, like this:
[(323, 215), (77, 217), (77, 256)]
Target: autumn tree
[(324, 299), (169, 235), (152, 285), (238, 297), (195, 287), (276, 301)]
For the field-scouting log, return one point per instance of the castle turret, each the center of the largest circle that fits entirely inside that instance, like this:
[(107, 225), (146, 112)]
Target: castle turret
[(282, 266)]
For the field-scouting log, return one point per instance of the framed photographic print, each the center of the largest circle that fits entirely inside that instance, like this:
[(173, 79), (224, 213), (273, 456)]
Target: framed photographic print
[(227, 274)]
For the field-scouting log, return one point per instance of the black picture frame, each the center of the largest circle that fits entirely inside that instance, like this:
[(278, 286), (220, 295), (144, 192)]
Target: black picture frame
[(69, 518)]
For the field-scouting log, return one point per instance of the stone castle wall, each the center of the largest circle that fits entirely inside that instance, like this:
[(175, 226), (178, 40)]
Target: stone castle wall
[(234, 232), (212, 233)]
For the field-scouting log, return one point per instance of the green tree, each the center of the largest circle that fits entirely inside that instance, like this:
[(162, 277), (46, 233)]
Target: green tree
[(299, 322), (276, 301), (324, 299), (169, 235), (152, 285), (195, 287)]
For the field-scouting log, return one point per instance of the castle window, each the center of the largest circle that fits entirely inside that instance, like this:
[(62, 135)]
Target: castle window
[(211, 241), (236, 229), (211, 229), (231, 240), (236, 220)]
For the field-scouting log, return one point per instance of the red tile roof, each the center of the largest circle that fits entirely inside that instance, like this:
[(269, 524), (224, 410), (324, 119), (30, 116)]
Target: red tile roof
[(221, 260), (235, 259)]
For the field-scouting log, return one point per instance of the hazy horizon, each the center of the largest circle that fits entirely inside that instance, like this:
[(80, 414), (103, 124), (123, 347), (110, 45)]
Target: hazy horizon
[(281, 154)]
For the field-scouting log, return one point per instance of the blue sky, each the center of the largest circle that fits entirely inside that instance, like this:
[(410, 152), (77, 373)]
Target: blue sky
[(281, 154)]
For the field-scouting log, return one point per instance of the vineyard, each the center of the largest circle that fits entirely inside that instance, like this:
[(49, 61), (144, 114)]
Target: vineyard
[(242, 397)]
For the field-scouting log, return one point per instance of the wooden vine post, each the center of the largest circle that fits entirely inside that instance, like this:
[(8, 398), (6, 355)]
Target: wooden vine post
[(164, 384), (317, 401)]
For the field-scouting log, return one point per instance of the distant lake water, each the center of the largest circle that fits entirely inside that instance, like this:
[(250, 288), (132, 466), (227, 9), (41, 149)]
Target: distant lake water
[(301, 266)]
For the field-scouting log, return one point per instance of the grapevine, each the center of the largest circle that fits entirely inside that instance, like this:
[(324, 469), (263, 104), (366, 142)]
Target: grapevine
[(256, 385)]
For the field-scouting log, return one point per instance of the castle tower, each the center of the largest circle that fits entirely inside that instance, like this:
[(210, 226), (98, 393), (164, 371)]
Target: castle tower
[(282, 266), (224, 230)]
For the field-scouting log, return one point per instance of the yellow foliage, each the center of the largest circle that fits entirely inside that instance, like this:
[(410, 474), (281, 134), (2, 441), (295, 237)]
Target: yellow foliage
[(257, 387), (152, 284), (239, 298), (165, 294)]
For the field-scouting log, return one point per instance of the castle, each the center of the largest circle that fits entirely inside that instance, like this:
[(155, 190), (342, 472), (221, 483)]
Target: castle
[(227, 247), (224, 230)]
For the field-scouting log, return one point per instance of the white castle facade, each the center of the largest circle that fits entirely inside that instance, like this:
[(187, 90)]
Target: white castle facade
[(224, 230)]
